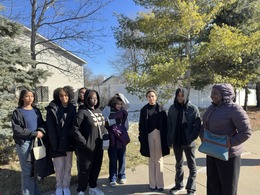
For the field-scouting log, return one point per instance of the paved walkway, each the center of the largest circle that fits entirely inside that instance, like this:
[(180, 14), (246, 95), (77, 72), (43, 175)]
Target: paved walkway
[(137, 179)]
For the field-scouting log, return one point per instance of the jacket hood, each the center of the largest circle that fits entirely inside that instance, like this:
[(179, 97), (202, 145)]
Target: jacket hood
[(86, 97), (52, 105), (55, 105), (186, 96), (227, 92)]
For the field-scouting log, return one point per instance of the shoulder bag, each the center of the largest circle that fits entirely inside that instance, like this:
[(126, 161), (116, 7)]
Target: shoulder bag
[(214, 145)]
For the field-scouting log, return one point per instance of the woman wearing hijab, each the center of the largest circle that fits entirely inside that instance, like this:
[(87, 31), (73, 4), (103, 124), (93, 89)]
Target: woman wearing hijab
[(225, 117), (183, 128)]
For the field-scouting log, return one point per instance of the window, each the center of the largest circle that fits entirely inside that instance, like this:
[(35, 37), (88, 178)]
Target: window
[(42, 94)]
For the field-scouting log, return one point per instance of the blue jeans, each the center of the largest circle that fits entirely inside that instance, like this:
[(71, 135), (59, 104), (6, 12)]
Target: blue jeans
[(115, 155), (29, 185)]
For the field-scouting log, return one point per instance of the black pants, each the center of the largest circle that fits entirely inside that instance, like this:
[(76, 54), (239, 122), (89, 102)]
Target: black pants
[(222, 176), (89, 167), (190, 156)]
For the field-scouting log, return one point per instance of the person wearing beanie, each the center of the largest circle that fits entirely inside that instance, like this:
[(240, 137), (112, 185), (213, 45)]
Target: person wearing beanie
[(225, 117), (153, 139), (184, 124)]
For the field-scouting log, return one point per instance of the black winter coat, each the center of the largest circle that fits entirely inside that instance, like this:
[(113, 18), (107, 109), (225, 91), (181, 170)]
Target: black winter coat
[(20, 131), (143, 131), (60, 136), (191, 132)]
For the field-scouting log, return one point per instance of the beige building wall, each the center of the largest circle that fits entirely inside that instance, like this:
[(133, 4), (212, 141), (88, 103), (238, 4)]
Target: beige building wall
[(70, 70)]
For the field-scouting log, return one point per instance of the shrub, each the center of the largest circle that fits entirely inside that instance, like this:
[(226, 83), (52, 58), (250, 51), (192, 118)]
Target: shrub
[(7, 149)]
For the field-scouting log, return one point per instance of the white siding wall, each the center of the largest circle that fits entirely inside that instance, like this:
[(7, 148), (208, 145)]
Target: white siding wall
[(57, 79), (199, 98)]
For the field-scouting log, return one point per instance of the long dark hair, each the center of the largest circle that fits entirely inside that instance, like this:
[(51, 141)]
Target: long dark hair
[(22, 94), (79, 100)]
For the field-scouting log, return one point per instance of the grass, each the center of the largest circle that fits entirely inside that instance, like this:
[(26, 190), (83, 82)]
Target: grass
[(10, 174)]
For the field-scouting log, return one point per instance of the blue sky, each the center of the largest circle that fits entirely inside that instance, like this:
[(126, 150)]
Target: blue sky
[(99, 64)]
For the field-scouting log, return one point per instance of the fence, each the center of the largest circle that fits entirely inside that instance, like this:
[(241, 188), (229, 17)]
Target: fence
[(200, 98)]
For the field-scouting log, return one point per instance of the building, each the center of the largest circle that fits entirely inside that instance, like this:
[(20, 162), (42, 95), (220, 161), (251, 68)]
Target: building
[(66, 68)]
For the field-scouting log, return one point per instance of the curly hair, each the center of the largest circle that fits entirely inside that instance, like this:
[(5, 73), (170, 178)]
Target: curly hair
[(67, 89), (113, 101), (70, 91)]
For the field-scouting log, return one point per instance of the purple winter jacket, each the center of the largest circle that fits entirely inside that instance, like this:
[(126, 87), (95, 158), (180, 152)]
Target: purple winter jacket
[(228, 118)]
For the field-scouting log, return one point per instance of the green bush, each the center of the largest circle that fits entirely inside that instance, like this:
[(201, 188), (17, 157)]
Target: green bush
[(7, 149)]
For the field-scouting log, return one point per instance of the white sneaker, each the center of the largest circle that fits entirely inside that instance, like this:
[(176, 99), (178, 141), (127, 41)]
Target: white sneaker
[(112, 184), (95, 191), (66, 191), (81, 193), (122, 181), (58, 191)]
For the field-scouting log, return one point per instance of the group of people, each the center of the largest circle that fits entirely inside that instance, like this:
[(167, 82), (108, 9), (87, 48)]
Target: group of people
[(159, 131), (180, 128), (80, 127), (72, 127)]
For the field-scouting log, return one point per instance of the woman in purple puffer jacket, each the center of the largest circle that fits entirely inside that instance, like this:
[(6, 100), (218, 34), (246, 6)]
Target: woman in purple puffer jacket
[(225, 117)]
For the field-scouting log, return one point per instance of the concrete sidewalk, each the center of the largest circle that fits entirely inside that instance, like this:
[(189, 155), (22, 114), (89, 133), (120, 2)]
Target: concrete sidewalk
[(137, 179)]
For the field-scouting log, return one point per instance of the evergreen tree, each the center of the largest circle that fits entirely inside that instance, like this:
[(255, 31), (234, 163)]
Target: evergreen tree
[(231, 51), (15, 71), (188, 42)]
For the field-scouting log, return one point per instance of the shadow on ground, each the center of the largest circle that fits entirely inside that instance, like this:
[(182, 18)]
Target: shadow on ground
[(244, 162), (128, 188)]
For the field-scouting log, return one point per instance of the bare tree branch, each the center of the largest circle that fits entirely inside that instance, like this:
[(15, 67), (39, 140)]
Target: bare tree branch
[(71, 27), (51, 65)]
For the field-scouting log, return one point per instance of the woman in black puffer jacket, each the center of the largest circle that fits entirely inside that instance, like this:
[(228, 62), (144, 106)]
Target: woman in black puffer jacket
[(59, 119)]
